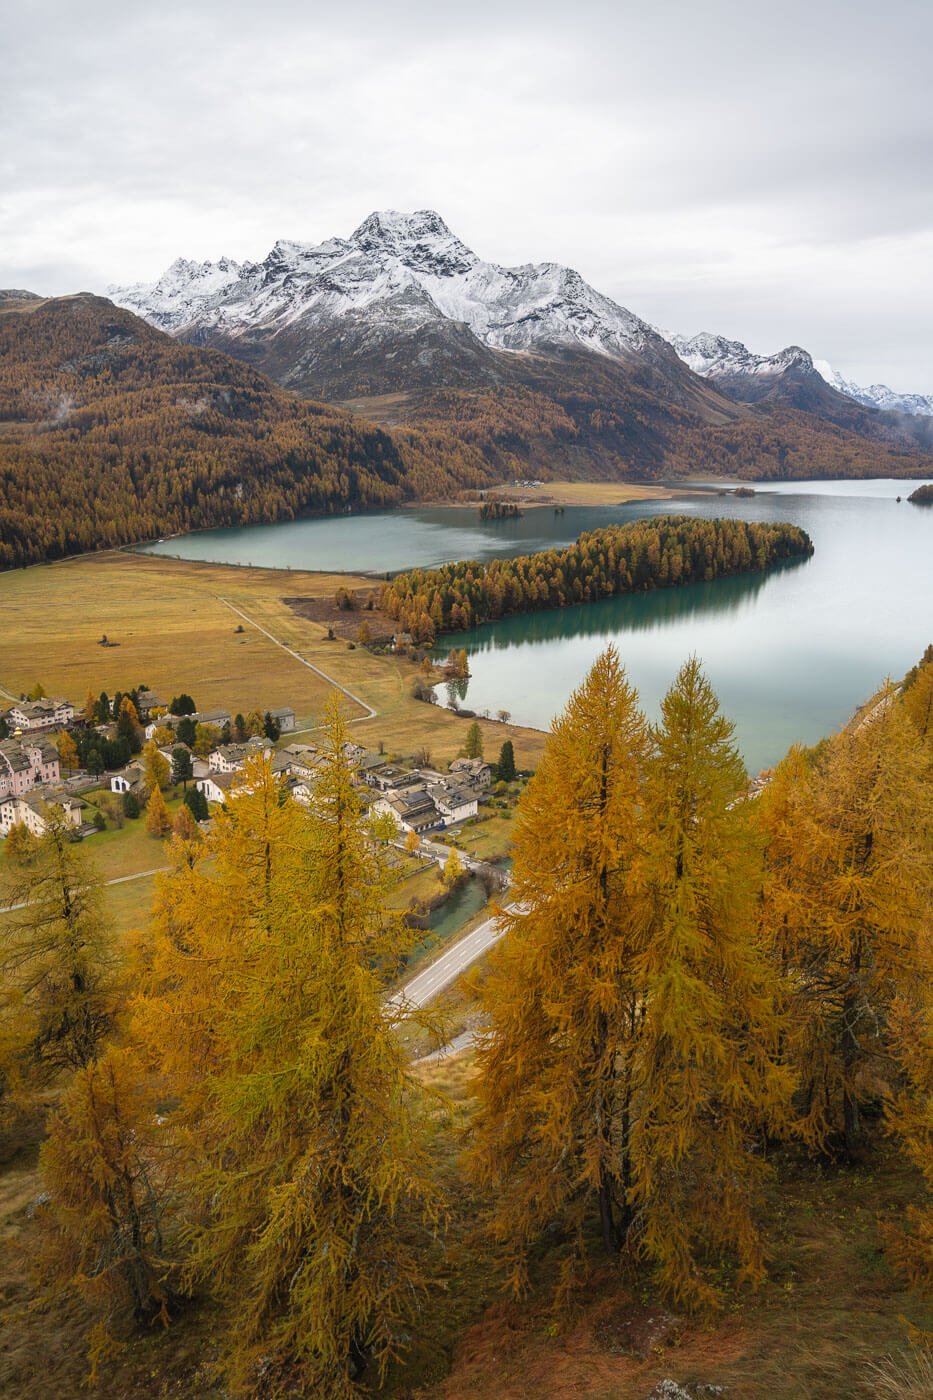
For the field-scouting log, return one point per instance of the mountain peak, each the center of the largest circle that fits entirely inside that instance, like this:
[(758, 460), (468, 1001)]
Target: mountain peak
[(394, 230), (399, 273)]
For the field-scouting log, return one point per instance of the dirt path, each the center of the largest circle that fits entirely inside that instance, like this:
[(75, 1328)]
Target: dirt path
[(370, 712)]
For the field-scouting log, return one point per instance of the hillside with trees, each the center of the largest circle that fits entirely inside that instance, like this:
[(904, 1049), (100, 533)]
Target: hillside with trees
[(705, 1032), (663, 552), (589, 417), (111, 432)]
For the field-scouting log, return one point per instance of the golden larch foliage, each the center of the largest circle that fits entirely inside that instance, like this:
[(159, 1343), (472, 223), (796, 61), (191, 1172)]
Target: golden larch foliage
[(306, 1189)]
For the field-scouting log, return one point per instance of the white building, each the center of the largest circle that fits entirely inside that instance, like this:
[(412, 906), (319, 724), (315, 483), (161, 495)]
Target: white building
[(217, 787), (455, 804), (129, 779), (32, 810), (33, 715)]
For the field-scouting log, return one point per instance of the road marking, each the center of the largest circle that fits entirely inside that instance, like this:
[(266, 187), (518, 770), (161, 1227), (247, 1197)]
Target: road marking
[(453, 961)]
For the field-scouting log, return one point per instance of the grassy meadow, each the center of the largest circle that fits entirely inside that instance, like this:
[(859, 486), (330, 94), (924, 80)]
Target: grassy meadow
[(174, 632)]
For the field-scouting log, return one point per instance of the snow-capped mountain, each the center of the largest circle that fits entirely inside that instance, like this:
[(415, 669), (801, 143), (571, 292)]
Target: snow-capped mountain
[(746, 375), (876, 395), (398, 272), (405, 322), (715, 357)]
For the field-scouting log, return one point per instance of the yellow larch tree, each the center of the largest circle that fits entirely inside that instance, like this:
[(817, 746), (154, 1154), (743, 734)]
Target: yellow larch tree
[(157, 770), (909, 1117), (706, 1078), (917, 696), (67, 751), (848, 842), (59, 984), (297, 1122), (453, 868), (61, 1001), (562, 1002), (102, 1224), (158, 820)]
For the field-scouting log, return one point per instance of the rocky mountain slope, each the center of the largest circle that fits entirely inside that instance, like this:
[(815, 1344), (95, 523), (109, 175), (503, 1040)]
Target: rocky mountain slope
[(406, 324), (793, 377)]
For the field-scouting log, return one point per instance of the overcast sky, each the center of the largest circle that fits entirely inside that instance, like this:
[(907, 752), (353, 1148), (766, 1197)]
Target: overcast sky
[(762, 170)]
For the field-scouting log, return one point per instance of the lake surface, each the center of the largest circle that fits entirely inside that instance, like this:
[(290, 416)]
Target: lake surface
[(790, 653)]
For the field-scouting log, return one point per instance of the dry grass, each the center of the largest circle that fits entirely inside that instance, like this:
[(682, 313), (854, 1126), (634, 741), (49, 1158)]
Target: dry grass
[(580, 493), (905, 1377), (175, 633), (829, 1309)]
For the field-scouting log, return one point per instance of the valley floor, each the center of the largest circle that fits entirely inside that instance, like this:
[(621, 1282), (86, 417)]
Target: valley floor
[(174, 629)]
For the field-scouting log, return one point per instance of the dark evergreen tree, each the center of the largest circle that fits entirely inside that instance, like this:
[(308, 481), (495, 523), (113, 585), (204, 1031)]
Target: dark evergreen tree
[(197, 803), (186, 731), (182, 770), (505, 769)]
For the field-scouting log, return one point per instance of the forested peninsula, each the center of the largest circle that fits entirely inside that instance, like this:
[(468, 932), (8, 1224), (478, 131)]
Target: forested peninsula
[(662, 552)]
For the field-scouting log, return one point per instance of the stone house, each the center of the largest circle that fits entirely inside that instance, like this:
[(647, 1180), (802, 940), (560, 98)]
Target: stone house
[(411, 810), (474, 770)]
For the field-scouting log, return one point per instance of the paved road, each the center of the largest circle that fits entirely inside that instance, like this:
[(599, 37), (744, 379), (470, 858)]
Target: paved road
[(425, 986), (453, 1047), (370, 712)]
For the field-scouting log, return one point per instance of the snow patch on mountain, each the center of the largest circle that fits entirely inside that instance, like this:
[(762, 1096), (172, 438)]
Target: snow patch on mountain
[(401, 267)]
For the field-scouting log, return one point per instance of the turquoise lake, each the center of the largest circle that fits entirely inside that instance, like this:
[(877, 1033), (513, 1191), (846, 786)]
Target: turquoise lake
[(791, 653)]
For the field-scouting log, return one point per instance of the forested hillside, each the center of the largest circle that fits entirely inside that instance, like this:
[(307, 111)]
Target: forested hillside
[(112, 432), (646, 554), (591, 417), (704, 1033)]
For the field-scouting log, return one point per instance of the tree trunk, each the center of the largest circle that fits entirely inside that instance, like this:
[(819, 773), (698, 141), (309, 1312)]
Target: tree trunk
[(606, 1220)]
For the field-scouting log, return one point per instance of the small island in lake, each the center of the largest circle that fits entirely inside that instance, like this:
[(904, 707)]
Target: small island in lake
[(499, 510), (923, 496)]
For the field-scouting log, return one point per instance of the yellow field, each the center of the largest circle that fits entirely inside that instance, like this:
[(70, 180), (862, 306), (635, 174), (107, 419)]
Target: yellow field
[(581, 493), (176, 632)]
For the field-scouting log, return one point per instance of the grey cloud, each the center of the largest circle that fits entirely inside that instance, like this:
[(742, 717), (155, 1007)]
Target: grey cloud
[(759, 170)]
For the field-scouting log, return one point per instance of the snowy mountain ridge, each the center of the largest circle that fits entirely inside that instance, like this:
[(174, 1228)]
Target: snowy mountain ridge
[(719, 359), (397, 268), (405, 280), (876, 395)]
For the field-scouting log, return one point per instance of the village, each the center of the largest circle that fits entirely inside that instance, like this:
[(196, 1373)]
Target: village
[(52, 755)]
